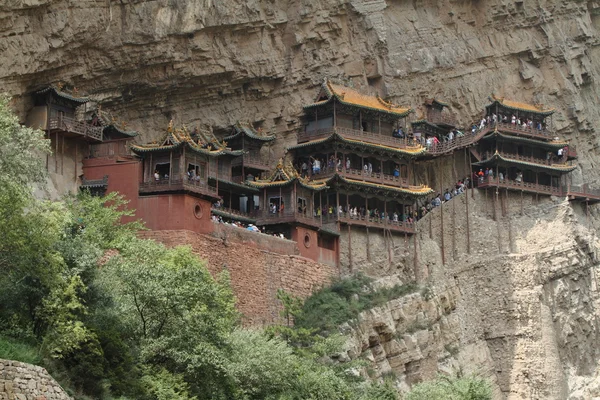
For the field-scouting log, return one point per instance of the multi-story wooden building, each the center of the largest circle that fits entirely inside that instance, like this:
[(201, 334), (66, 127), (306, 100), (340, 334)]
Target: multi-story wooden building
[(351, 143), (521, 150)]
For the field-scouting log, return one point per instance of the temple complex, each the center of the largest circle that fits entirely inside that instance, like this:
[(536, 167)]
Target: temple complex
[(359, 164)]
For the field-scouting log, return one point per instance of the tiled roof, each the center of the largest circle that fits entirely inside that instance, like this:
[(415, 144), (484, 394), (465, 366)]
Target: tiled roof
[(284, 175), (434, 100), (515, 105), (352, 97), (108, 122), (412, 190), (247, 130), (412, 151), (59, 93), (203, 143)]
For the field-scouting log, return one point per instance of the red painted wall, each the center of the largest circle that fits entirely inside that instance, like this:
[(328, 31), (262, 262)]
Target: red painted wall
[(175, 211), (123, 177), (310, 249)]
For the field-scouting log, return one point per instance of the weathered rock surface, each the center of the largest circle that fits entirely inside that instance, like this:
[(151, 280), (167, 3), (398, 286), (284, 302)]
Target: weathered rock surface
[(522, 307), (526, 318)]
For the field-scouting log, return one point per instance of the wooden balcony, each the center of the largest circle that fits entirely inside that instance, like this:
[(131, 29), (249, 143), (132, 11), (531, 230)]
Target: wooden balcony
[(542, 162), (378, 223), (178, 184), (361, 175), (533, 132), (264, 217), (251, 161), (72, 126), (458, 142), (110, 149), (573, 193), (520, 186), (582, 193), (238, 215)]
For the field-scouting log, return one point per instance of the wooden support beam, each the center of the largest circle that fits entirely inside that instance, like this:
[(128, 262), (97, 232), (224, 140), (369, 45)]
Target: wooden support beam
[(62, 156), (349, 247)]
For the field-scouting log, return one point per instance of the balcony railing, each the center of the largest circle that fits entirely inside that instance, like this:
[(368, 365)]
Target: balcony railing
[(251, 161), (458, 142), (520, 185), (376, 222), (552, 161), (176, 184), (526, 131), (71, 125), (110, 149), (361, 175)]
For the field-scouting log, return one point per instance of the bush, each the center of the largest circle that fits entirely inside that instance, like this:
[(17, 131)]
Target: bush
[(12, 349), (452, 388), (343, 300)]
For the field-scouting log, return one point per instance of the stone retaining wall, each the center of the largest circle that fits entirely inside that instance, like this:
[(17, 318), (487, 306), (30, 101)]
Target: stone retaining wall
[(20, 381)]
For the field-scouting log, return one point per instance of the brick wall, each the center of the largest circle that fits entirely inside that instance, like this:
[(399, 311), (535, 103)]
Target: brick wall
[(256, 274), (22, 381)]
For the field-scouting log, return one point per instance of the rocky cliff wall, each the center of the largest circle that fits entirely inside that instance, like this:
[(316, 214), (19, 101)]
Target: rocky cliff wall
[(521, 308), (212, 63)]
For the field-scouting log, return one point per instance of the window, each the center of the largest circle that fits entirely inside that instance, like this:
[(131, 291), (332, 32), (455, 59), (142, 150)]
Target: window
[(163, 170), (301, 204), (198, 169)]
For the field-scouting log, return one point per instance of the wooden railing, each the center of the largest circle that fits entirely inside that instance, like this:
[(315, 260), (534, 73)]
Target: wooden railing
[(376, 138), (178, 184), (529, 159), (520, 185), (459, 142), (375, 222), (314, 134), (360, 174), (71, 125), (251, 161), (572, 192), (110, 149), (527, 131), (234, 213), (582, 192)]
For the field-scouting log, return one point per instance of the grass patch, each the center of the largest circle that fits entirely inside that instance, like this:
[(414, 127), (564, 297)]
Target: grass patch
[(343, 300), (12, 349)]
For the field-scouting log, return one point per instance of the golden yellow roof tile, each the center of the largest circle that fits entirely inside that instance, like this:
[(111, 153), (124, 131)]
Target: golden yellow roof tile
[(352, 96)]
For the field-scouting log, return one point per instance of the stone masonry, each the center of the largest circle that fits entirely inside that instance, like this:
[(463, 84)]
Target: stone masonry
[(256, 273), (20, 381)]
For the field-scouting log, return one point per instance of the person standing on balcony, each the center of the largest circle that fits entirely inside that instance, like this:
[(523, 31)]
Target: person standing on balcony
[(316, 166), (370, 168), (397, 172), (347, 163), (304, 169)]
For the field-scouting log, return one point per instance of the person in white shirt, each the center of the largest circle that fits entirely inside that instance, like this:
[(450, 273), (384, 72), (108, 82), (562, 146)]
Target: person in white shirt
[(156, 176)]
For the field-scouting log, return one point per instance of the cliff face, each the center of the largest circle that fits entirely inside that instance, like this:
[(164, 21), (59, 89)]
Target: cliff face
[(521, 308), (528, 318), (212, 63)]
